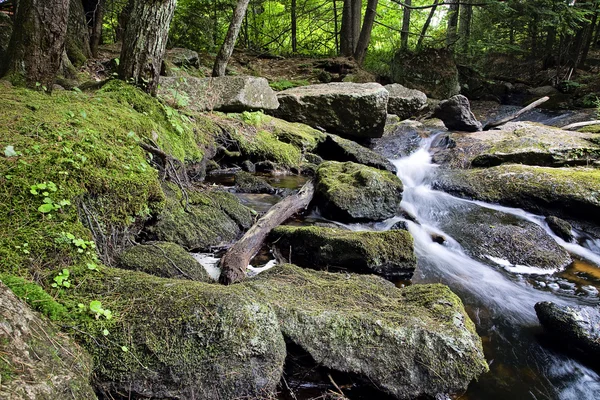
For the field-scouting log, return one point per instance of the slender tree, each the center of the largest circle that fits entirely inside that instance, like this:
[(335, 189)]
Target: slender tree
[(451, 34), (350, 32), (145, 42), (38, 42), (426, 25), (466, 14), (294, 27), (226, 50), (95, 18), (365, 32), (405, 25)]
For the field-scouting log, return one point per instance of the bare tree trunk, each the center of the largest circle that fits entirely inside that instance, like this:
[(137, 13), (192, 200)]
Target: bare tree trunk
[(405, 26), (466, 14), (232, 33), (451, 34), (37, 43), (78, 38), (96, 25), (365, 33), (356, 22), (351, 17), (294, 28), (122, 21), (426, 25), (336, 27), (237, 258), (145, 42)]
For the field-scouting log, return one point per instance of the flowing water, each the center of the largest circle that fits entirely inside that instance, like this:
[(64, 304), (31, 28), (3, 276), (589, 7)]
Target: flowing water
[(500, 298)]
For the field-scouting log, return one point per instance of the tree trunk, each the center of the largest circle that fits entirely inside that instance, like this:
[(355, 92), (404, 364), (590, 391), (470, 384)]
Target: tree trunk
[(145, 42), (426, 25), (356, 22), (232, 33), (337, 31), (122, 21), (451, 34), (365, 33), (37, 43), (549, 60), (78, 37), (351, 15), (466, 14), (237, 258), (96, 25), (294, 28), (405, 26)]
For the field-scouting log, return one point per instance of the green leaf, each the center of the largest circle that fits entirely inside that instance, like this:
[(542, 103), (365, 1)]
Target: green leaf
[(9, 151), (45, 208), (96, 307), (125, 349), (105, 332)]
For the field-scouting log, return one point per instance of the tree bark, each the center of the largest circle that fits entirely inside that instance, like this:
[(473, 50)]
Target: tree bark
[(405, 26), (466, 14), (426, 25), (37, 43), (237, 258), (145, 42), (451, 34), (232, 33), (365, 33), (351, 15), (337, 31), (78, 37), (96, 26), (294, 28)]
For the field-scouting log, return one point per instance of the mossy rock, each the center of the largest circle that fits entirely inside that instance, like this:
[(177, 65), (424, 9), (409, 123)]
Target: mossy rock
[(164, 259), (390, 253), (566, 192), (336, 148), (410, 343), (354, 192), (246, 182), (211, 219), (38, 362)]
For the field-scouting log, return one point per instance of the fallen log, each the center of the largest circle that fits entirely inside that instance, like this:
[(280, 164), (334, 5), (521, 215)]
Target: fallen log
[(522, 111), (580, 124), (236, 259)]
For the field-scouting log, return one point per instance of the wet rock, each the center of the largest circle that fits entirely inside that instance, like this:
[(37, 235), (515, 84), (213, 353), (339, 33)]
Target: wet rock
[(456, 114), (565, 192), (227, 93), (248, 183), (354, 192), (576, 328), (400, 226), (560, 227), (164, 259), (497, 237), (386, 337), (336, 148), (405, 102), (182, 58), (431, 71), (519, 142), (210, 219), (389, 253), (400, 138), (38, 362), (248, 166), (352, 110)]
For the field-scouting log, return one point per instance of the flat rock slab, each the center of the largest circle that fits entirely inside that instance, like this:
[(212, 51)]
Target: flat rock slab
[(389, 253), (405, 102), (519, 142), (352, 110), (565, 192), (227, 93)]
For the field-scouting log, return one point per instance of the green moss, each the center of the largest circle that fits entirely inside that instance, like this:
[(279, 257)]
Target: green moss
[(283, 84), (35, 296)]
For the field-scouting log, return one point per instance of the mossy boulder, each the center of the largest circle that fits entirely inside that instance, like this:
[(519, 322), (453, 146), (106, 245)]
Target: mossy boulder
[(246, 182), (518, 142), (390, 253), (38, 362), (164, 259), (354, 192), (431, 71), (336, 148), (560, 227), (411, 342), (567, 192), (200, 220)]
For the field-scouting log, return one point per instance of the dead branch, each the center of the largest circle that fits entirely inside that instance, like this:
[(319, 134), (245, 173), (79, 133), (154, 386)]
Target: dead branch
[(522, 111), (581, 124)]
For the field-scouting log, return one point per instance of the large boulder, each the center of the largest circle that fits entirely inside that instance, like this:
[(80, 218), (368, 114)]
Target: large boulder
[(456, 114), (576, 328), (38, 362), (351, 110), (415, 342), (226, 93), (354, 192), (405, 102), (431, 71), (389, 253), (336, 148), (518, 142), (164, 259), (182, 58), (567, 192)]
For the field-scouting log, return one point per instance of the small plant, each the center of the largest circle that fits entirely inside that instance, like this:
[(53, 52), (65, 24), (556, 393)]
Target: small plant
[(62, 279), (98, 311), (81, 244), (45, 189)]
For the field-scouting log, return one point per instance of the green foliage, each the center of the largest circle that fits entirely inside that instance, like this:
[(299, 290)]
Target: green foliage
[(35, 296), (62, 279)]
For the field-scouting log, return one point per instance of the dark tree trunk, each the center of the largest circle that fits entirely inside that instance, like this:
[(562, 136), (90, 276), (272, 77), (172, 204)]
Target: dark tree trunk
[(586, 40), (549, 59), (96, 26), (37, 43), (122, 21), (78, 37), (365, 33), (451, 35), (232, 33), (294, 28), (350, 27), (145, 42), (466, 14), (405, 26), (336, 27), (426, 25)]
